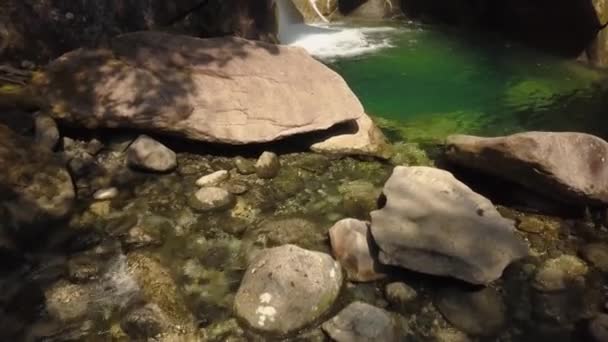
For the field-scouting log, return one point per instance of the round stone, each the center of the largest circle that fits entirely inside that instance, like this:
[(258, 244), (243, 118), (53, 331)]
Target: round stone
[(212, 198)]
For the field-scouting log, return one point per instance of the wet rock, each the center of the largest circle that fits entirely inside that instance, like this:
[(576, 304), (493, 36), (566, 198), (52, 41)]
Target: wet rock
[(451, 335), (598, 328), (148, 154), (353, 247), (560, 273), (67, 302), (244, 166), (360, 322), (536, 161), (287, 288), (359, 198), (268, 165), (282, 231), (35, 188), (81, 165), (84, 268), (105, 194), (531, 225), (474, 312), (94, 147), (433, 223), (213, 179), (228, 330), (597, 255), (400, 294), (410, 154), (101, 208), (236, 188), (157, 287), (144, 322), (212, 198), (47, 133)]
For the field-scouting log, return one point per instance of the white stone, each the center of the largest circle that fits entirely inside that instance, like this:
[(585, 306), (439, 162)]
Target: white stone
[(213, 179)]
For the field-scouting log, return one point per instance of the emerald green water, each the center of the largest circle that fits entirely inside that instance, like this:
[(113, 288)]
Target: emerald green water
[(431, 83)]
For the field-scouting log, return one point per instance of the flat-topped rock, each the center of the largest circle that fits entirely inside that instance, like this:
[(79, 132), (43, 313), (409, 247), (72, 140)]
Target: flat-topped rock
[(569, 167), (225, 90), (432, 223)]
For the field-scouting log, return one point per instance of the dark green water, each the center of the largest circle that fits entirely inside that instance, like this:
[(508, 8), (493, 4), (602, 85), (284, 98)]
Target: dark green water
[(430, 84)]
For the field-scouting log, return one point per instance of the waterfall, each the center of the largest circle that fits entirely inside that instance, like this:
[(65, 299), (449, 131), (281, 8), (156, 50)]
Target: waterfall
[(326, 41)]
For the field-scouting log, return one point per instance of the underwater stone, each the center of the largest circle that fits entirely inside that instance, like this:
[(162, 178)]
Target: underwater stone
[(400, 294), (597, 255), (105, 194), (360, 322), (47, 133), (148, 154), (268, 165), (244, 166), (560, 273), (474, 312), (571, 167), (144, 322), (433, 223), (213, 179), (212, 198), (287, 288)]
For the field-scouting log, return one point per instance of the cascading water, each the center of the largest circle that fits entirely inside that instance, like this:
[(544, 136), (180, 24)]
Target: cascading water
[(324, 41)]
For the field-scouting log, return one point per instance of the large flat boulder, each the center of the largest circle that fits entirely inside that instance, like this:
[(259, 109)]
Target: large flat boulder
[(34, 185), (569, 167), (224, 90), (432, 223)]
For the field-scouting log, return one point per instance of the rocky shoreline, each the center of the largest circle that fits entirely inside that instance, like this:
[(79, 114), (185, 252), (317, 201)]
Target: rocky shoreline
[(121, 235)]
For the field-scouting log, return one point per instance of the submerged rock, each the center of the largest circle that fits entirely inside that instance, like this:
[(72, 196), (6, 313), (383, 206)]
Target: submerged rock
[(353, 247), (47, 133), (287, 288), (35, 188), (560, 273), (597, 255), (213, 179), (68, 302), (105, 194), (244, 166), (144, 322), (570, 167), (400, 294), (268, 165), (202, 89), (282, 231), (212, 198), (361, 322), (148, 154), (474, 312), (433, 223)]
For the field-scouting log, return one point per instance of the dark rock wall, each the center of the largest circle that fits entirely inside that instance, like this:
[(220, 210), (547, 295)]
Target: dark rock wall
[(562, 27), (39, 30)]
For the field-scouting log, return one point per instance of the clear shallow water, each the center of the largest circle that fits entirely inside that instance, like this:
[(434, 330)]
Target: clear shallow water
[(423, 84)]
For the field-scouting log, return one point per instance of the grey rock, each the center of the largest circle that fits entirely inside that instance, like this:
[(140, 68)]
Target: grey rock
[(213, 179), (361, 322), (287, 288), (560, 273), (47, 133), (197, 90), (236, 188), (267, 165), (433, 223), (474, 312), (148, 154), (536, 161), (94, 147), (353, 247), (212, 198)]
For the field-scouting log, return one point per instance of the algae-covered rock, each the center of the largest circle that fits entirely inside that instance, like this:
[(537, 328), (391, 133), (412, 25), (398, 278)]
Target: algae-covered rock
[(560, 273), (361, 322)]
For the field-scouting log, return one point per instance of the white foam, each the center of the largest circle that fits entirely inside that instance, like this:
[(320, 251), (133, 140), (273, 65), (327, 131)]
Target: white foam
[(328, 42), (342, 43)]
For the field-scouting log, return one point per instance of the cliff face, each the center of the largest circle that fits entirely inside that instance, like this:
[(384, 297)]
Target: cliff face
[(40, 30)]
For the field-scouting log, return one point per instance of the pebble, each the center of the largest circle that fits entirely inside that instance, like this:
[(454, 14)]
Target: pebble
[(105, 194)]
